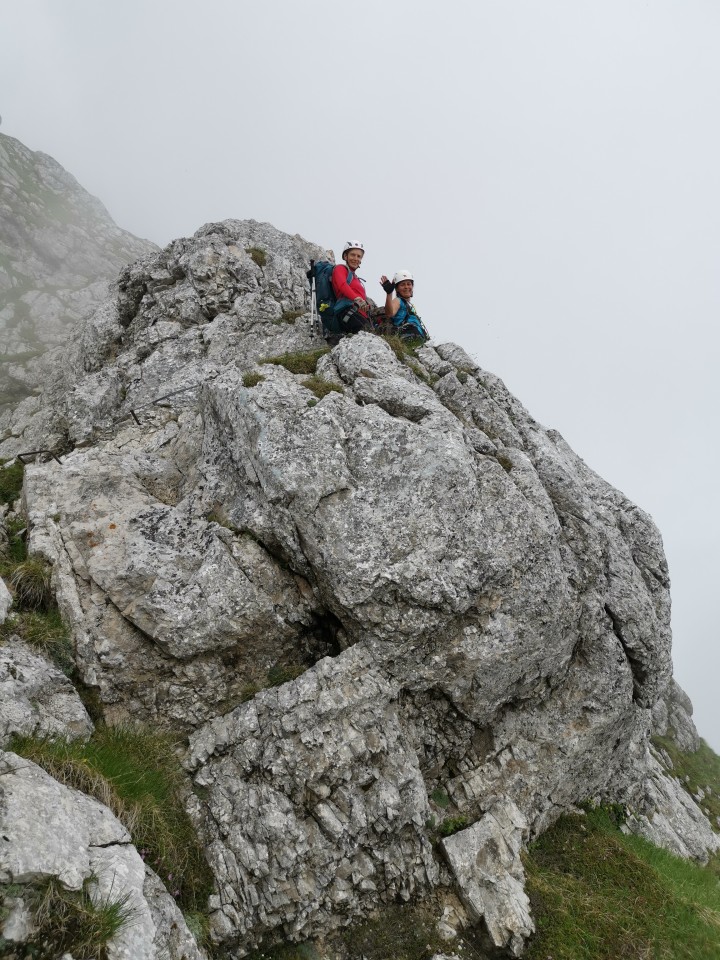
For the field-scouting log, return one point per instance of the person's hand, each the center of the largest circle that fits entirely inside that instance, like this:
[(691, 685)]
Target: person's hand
[(387, 285), (360, 303)]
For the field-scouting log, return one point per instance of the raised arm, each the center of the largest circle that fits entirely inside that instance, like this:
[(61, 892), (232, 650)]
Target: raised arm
[(392, 304)]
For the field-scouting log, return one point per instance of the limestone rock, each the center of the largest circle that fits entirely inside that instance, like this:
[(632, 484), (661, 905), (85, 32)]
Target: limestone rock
[(37, 699), (672, 717), (663, 812), (5, 601), (48, 830), (474, 613), (485, 860)]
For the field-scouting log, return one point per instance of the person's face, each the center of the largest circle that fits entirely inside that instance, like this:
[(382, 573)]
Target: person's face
[(405, 289), (353, 258)]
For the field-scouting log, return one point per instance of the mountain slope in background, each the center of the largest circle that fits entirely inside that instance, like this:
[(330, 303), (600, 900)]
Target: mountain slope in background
[(59, 247)]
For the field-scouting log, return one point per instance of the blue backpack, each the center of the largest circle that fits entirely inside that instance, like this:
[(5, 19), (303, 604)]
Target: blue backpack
[(324, 302)]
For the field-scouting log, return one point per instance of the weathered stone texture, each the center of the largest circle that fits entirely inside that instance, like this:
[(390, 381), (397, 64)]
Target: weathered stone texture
[(478, 615)]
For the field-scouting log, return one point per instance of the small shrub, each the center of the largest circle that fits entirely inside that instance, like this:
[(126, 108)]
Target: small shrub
[(30, 579), (298, 362), (68, 921), (440, 798), (321, 388), (451, 825), (252, 379), (258, 255), (11, 481), (462, 376)]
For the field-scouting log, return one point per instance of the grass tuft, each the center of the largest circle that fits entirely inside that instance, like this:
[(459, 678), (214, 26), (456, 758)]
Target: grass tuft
[(321, 388), (599, 895), (73, 922), (252, 379), (451, 825), (44, 631), (258, 255), (298, 362), (136, 774), (30, 579)]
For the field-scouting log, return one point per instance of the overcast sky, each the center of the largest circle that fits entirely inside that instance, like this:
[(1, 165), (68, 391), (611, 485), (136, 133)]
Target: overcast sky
[(549, 171)]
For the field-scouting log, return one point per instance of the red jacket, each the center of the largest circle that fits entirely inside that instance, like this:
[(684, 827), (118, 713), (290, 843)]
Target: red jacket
[(343, 289)]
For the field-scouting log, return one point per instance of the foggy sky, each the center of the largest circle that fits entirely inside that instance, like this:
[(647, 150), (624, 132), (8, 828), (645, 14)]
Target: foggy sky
[(548, 170)]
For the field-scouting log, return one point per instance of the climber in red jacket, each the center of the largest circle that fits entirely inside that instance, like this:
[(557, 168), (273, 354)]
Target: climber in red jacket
[(351, 307)]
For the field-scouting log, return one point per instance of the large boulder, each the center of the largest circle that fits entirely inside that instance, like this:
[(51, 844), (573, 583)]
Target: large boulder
[(463, 618)]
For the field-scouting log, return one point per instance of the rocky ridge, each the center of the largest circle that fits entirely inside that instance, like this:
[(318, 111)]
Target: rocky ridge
[(59, 249), (460, 616)]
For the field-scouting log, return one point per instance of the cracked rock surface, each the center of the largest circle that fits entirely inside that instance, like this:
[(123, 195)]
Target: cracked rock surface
[(367, 609)]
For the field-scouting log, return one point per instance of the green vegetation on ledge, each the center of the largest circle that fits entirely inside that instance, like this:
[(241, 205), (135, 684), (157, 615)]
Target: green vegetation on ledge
[(136, 773), (597, 894)]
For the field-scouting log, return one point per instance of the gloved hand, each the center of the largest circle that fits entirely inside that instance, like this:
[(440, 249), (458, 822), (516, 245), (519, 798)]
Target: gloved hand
[(388, 286), (360, 304)]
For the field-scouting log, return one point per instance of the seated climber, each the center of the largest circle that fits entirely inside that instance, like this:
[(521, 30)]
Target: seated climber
[(401, 316), (351, 307)]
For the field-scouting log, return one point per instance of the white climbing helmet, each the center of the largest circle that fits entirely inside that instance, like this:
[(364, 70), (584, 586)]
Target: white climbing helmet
[(353, 245), (403, 275)]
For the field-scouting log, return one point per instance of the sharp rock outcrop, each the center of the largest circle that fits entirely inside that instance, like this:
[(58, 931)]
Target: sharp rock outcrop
[(361, 581)]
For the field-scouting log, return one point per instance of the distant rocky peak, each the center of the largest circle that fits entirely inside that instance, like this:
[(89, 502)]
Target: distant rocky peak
[(59, 248)]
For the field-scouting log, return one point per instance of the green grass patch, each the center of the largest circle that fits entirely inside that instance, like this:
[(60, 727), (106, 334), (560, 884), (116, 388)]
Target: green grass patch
[(257, 255), (696, 771), (69, 922), (599, 895), (30, 580), (298, 362), (321, 388), (252, 379), (451, 825), (46, 632), (136, 774), (401, 347), (11, 481), (17, 548), (440, 798)]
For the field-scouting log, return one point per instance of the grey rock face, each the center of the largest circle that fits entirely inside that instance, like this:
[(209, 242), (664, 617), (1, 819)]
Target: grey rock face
[(478, 615), (485, 860), (5, 601), (36, 699), (59, 248), (672, 717), (48, 830)]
